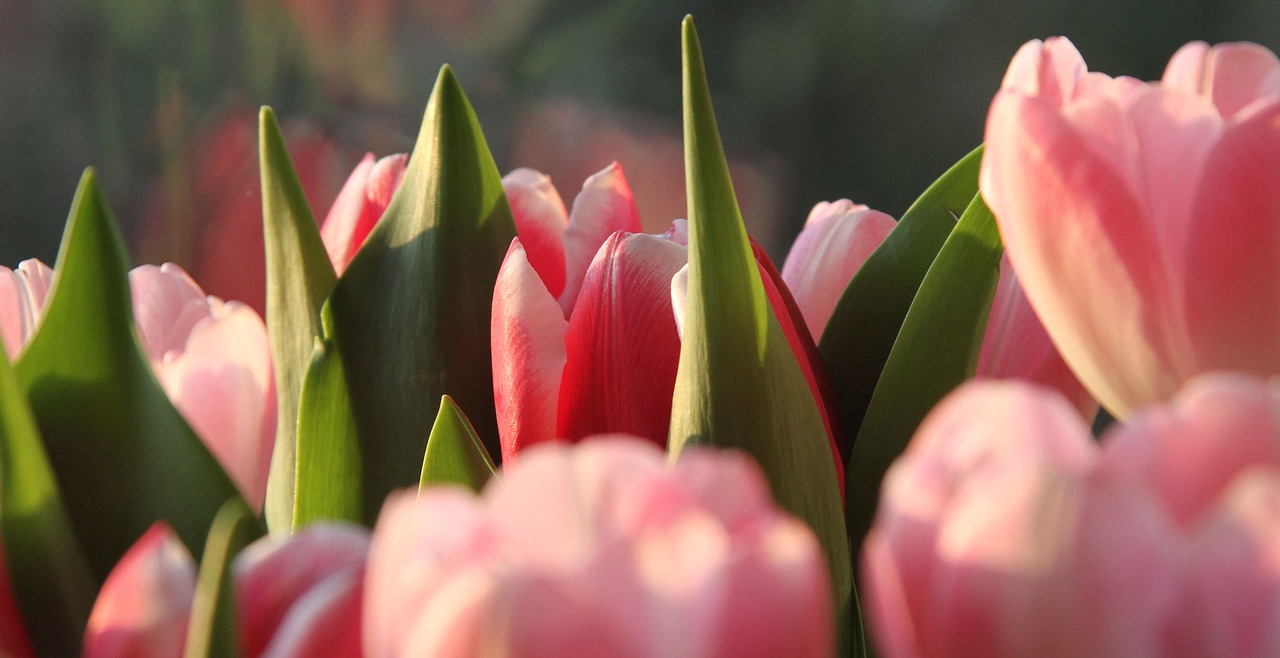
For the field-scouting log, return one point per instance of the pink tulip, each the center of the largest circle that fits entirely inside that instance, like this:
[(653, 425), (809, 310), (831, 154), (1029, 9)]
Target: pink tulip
[(1141, 217), (298, 596), (22, 295), (598, 549), (838, 238), (360, 205), (214, 362), (1004, 530)]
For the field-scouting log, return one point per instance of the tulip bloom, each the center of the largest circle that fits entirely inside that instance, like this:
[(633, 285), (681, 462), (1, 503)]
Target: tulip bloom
[(1004, 529), (1141, 217), (296, 596), (22, 295), (598, 549), (360, 205)]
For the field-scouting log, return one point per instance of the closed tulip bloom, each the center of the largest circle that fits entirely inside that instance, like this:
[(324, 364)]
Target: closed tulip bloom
[(598, 549), (214, 362), (22, 296), (1142, 218), (143, 607), (1004, 530), (360, 205)]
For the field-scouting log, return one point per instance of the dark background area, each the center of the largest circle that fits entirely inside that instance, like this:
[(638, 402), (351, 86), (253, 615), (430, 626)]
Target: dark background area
[(816, 99)]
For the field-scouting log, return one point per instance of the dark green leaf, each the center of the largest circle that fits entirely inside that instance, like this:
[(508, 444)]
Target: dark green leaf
[(299, 279), (212, 631), (866, 321), (936, 350), (455, 454), (53, 585), (122, 455), (739, 384), (411, 312), (328, 485)]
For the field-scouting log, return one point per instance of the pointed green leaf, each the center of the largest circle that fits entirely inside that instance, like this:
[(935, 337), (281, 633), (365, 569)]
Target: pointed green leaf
[(867, 318), (455, 455), (299, 279), (936, 350), (123, 456), (738, 384), (329, 472), (212, 631), (411, 312), (47, 570)]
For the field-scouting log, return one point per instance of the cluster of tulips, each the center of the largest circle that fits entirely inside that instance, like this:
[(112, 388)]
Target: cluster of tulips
[(884, 446)]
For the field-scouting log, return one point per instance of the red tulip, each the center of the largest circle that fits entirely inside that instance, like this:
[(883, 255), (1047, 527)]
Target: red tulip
[(1142, 217), (1004, 530), (14, 642), (144, 605), (598, 549), (360, 205)]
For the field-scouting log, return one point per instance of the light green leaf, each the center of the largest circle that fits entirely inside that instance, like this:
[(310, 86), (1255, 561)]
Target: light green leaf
[(936, 350), (47, 571), (455, 455), (122, 455), (212, 631), (329, 471), (299, 279), (411, 312), (867, 318), (739, 384)]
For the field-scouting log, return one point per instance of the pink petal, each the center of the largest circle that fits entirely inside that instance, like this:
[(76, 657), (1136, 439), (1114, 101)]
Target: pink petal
[(1231, 75), (223, 385), (528, 346), (144, 604), (1050, 69), (1188, 453), (325, 622), (540, 222), (604, 206), (359, 206), (167, 305), (621, 342), (22, 296), (1232, 272), (837, 239), (289, 591)]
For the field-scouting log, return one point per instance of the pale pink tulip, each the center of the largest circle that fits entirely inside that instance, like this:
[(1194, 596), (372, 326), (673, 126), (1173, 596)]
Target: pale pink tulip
[(22, 296), (1004, 530), (360, 205), (598, 549), (214, 362), (297, 596), (144, 605), (1142, 217)]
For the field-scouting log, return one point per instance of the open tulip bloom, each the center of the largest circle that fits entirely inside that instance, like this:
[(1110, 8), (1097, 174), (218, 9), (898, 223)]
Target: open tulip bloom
[(475, 420)]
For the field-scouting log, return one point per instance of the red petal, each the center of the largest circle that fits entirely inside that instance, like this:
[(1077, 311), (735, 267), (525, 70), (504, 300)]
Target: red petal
[(540, 222)]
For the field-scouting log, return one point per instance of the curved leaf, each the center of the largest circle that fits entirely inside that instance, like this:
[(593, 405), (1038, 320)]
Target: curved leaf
[(299, 279), (739, 384), (123, 456), (455, 455), (936, 350), (212, 629), (411, 312)]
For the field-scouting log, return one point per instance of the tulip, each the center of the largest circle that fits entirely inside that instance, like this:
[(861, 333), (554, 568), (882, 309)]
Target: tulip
[(1005, 530), (837, 239), (598, 549), (296, 596), (214, 362), (1140, 217), (22, 295), (360, 205), (14, 642)]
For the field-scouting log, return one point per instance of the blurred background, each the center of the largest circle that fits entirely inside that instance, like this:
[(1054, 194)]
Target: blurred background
[(817, 99)]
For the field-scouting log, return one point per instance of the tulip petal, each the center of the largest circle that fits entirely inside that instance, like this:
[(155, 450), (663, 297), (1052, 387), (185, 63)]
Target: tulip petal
[(346, 213), (22, 295), (325, 622), (837, 238), (621, 343), (528, 339), (167, 305), (1230, 75), (604, 206), (144, 604), (540, 222)]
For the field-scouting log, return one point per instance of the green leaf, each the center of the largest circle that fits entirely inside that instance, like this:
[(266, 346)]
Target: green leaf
[(936, 350), (299, 279), (867, 318), (329, 471), (47, 571), (212, 629), (123, 456), (455, 455), (411, 312), (738, 384)]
